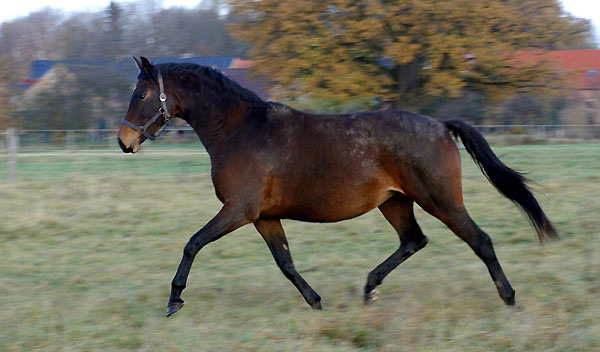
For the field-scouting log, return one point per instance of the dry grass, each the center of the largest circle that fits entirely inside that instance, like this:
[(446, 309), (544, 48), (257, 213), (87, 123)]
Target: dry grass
[(88, 246)]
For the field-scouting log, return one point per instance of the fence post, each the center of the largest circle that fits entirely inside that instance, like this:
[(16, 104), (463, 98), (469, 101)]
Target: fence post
[(12, 143), (70, 138)]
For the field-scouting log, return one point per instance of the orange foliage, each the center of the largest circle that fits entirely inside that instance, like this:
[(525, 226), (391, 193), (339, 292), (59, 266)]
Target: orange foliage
[(400, 50)]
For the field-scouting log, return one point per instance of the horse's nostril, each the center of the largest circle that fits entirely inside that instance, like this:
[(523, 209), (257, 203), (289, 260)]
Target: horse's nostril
[(123, 147)]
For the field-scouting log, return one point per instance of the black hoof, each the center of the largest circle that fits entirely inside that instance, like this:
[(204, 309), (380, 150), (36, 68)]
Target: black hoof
[(317, 306), (510, 301), (371, 296), (173, 308)]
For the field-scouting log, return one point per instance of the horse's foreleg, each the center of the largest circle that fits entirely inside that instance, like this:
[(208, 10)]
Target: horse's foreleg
[(398, 211), (228, 219), (273, 234)]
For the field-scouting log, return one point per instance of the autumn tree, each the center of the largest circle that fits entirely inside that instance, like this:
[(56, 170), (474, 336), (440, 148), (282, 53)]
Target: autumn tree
[(400, 51)]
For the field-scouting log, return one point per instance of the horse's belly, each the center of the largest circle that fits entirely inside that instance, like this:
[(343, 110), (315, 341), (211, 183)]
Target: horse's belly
[(329, 205)]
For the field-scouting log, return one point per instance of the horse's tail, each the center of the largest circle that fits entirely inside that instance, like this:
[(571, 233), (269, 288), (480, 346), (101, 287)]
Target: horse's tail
[(510, 183)]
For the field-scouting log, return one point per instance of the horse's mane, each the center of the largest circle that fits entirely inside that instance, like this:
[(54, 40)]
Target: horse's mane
[(194, 76)]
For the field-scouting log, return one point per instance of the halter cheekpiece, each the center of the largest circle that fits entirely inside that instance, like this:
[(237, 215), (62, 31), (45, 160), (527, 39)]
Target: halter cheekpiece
[(162, 111)]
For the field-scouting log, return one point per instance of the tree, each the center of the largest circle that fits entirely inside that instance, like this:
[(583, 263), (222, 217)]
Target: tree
[(6, 110), (115, 28), (63, 106), (401, 50), (7, 107), (121, 29), (30, 38), (77, 97), (97, 89)]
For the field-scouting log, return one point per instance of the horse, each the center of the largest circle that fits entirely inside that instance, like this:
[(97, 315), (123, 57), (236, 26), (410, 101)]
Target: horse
[(271, 162)]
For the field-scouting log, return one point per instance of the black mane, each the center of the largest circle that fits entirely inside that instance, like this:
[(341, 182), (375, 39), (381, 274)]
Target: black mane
[(194, 76)]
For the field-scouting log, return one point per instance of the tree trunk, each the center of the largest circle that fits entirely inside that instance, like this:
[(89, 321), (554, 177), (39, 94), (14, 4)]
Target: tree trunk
[(407, 80)]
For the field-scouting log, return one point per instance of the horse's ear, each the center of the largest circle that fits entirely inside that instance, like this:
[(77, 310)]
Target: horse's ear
[(146, 66), (138, 63)]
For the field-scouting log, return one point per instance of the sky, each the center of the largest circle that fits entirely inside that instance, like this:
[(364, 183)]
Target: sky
[(19, 8), (589, 9)]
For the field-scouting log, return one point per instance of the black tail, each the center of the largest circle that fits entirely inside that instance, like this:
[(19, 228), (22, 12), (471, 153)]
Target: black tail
[(509, 182)]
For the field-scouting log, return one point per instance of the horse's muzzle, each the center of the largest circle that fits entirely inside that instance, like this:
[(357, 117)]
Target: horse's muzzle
[(124, 148)]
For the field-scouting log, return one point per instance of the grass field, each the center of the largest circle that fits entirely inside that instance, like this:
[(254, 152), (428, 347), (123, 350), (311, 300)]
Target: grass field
[(89, 244)]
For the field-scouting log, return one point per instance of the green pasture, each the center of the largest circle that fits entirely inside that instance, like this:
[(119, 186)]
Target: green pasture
[(89, 243)]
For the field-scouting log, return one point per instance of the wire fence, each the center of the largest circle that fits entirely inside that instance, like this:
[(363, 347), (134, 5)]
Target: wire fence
[(105, 139), (98, 140), (541, 133), (80, 150), (45, 140)]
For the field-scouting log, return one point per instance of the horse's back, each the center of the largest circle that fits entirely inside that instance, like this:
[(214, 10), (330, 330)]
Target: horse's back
[(393, 130)]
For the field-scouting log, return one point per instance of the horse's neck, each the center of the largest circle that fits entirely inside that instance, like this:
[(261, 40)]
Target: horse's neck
[(214, 124)]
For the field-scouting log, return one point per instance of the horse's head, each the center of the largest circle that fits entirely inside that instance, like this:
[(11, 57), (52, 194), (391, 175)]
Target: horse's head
[(148, 109)]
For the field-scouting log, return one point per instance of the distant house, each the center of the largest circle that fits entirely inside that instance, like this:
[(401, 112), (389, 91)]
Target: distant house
[(39, 83), (583, 79), (45, 75), (39, 68)]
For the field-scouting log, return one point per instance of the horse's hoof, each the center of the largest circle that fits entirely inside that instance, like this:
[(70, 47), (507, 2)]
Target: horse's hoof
[(317, 306), (173, 308), (371, 296), (510, 301)]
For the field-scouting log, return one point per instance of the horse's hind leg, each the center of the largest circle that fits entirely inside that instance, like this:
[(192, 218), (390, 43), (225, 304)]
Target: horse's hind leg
[(459, 221), (398, 210), (440, 195), (273, 234)]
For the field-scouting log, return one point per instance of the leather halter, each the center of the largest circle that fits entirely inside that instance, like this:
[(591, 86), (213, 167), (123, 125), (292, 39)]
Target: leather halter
[(162, 111)]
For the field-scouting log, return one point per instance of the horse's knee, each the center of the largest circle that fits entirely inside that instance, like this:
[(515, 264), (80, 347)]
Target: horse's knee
[(190, 249)]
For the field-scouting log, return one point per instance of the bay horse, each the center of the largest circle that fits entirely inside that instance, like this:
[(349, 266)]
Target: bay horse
[(271, 162)]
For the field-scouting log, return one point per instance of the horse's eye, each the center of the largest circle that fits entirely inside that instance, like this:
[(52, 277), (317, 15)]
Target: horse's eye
[(141, 95)]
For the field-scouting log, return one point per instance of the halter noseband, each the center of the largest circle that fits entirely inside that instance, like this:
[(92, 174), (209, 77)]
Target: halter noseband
[(162, 111)]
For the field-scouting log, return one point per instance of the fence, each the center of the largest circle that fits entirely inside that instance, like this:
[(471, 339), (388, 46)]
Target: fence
[(531, 134), (31, 140), (16, 143)]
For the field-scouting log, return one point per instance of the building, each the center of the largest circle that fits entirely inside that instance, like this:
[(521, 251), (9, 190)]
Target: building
[(105, 75), (582, 69)]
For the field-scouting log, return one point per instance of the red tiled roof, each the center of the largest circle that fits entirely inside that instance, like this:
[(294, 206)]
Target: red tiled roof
[(583, 64), (241, 63)]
